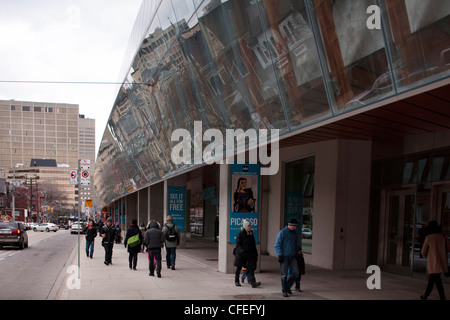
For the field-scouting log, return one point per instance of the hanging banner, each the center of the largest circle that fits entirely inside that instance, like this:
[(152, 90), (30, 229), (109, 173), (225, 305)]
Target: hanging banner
[(244, 198), (176, 206)]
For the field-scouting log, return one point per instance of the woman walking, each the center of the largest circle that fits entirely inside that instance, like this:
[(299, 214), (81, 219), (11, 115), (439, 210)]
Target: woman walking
[(90, 232), (135, 247), (435, 249), (246, 254)]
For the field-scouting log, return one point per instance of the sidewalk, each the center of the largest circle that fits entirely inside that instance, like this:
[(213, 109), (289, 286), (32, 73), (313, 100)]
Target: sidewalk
[(196, 278)]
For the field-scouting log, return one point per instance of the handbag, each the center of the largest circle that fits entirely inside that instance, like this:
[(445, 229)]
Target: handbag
[(133, 241)]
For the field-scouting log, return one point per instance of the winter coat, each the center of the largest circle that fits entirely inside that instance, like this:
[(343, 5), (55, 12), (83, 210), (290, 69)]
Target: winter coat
[(132, 231), (245, 251), (154, 237), (286, 244), (110, 234), (171, 244), (90, 233), (434, 248)]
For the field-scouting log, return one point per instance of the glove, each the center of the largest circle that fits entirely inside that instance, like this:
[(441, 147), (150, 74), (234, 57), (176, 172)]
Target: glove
[(280, 259)]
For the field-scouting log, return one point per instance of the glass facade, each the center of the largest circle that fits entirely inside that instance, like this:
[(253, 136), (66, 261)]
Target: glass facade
[(259, 64)]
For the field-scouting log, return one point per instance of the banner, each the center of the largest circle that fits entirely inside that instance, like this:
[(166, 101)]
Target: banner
[(244, 198), (176, 209)]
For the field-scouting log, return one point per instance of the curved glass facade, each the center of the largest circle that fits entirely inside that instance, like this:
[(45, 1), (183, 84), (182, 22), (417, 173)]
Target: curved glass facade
[(259, 64)]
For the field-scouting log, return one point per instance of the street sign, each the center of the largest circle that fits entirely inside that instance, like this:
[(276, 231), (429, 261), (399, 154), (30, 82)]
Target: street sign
[(85, 178), (85, 164), (88, 203), (73, 177)]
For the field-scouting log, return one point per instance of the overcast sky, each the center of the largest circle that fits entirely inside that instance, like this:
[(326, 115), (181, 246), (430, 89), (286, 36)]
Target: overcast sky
[(60, 40)]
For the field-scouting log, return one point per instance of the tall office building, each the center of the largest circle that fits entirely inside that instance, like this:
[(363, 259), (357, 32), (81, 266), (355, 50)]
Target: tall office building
[(38, 130), (86, 135)]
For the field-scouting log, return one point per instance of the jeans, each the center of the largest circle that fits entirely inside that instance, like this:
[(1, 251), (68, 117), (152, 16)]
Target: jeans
[(154, 254), (289, 263), (108, 251), (171, 255), (89, 248), (250, 273), (132, 259)]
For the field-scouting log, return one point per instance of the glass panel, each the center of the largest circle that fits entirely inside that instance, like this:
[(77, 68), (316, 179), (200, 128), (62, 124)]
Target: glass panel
[(408, 228), (357, 64), (286, 45), (422, 218), (419, 39), (394, 211), (299, 198), (445, 218)]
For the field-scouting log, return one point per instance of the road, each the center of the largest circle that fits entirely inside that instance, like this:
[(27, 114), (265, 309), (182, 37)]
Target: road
[(32, 273)]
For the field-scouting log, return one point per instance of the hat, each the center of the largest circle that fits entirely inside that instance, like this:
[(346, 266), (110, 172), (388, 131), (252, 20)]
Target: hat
[(293, 222), (169, 218), (246, 224)]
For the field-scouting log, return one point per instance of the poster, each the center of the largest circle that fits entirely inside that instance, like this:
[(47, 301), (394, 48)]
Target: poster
[(244, 198), (176, 209)]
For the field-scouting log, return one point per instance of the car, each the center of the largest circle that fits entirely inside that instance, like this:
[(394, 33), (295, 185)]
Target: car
[(76, 227), (307, 233), (13, 233), (46, 227)]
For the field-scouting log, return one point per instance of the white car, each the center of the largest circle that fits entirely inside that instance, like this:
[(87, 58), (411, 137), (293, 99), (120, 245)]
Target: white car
[(76, 227), (46, 227)]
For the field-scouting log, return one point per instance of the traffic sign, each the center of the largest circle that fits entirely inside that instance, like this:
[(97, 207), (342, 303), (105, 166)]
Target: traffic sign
[(73, 177), (85, 164), (88, 203), (85, 179)]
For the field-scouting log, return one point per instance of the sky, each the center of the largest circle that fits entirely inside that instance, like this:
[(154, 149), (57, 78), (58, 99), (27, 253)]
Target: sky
[(65, 41)]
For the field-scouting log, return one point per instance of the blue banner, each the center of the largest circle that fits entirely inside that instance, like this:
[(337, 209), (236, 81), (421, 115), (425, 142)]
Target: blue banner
[(176, 206), (244, 198)]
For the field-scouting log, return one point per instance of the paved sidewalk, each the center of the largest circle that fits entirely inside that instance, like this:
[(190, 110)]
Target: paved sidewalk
[(196, 278)]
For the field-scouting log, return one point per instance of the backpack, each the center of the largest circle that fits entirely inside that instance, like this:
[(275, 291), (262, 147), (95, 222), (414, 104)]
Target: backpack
[(171, 234)]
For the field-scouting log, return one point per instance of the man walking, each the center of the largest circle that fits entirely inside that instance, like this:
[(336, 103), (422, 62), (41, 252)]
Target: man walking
[(286, 248), (154, 241), (108, 233), (172, 236)]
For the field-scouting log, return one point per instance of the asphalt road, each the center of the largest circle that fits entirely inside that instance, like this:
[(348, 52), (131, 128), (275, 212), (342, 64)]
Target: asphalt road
[(32, 273)]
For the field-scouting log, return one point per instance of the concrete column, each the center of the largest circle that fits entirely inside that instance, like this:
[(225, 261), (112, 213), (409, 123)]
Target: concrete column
[(226, 258), (143, 206), (156, 208)]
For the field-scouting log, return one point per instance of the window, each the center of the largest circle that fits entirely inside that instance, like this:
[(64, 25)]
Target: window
[(26, 108), (37, 109)]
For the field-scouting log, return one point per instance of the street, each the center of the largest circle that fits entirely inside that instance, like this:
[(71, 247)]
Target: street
[(31, 273)]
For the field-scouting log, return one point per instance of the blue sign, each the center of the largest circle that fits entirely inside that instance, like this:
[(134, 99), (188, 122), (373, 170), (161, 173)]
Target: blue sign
[(177, 203), (244, 198)]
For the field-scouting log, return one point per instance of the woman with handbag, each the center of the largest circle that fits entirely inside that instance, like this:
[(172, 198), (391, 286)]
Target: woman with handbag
[(435, 249), (133, 240)]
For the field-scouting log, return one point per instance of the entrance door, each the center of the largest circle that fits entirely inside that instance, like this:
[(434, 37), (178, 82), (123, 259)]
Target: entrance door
[(443, 216), (400, 231)]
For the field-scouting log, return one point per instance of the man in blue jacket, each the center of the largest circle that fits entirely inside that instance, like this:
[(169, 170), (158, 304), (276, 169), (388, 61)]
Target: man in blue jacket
[(287, 247)]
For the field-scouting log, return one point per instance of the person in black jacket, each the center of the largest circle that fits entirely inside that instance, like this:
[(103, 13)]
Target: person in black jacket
[(134, 250), (90, 232), (246, 254), (108, 233), (154, 240)]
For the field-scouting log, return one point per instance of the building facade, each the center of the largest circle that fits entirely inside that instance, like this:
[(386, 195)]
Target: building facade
[(358, 90)]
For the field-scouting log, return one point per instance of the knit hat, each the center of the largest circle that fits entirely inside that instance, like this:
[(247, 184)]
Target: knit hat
[(293, 222), (246, 224)]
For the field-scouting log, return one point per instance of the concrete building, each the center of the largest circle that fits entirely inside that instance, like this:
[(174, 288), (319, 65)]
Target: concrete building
[(361, 103)]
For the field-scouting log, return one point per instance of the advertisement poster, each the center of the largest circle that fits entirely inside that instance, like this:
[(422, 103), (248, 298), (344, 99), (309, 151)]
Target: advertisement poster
[(294, 207), (176, 209), (244, 198)]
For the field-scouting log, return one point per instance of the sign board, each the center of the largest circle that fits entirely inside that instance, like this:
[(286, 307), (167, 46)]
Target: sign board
[(176, 203), (85, 164), (88, 203), (244, 198), (85, 178), (73, 177)]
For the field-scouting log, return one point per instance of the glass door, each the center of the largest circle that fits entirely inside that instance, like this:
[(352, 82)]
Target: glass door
[(400, 231), (444, 215)]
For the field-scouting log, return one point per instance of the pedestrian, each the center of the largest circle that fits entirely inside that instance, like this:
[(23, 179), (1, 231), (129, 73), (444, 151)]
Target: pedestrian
[(246, 254), (286, 248), (301, 269), (134, 246), (108, 233), (435, 249), (118, 233), (172, 236), (154, 241), (142, 228), (90, 233)]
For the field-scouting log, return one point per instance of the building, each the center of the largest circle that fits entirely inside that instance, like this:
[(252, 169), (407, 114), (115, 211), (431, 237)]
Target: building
[(361, 102)]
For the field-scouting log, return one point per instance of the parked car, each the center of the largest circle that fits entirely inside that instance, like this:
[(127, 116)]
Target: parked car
[(76, 226), (46, 227), (306, 233), (13, 233)]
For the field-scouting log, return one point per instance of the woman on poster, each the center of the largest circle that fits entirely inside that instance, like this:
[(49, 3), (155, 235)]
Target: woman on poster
[(243, 197)]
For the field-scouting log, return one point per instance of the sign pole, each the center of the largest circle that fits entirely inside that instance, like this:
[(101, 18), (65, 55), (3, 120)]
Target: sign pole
[(79, 212)]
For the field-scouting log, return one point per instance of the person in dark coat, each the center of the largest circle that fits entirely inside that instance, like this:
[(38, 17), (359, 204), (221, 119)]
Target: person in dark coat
[(133, 251), (90, 232), (246, 254), (154, 240), (108, 233)]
